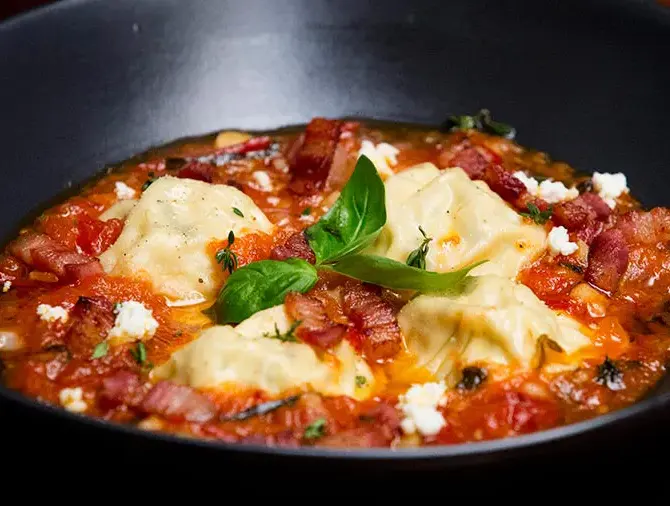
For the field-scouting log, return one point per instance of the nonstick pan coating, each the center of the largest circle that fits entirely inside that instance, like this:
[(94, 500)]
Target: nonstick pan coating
[(86, 83)]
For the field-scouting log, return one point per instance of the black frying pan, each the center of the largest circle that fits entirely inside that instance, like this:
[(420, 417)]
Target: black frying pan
[(85, 83)]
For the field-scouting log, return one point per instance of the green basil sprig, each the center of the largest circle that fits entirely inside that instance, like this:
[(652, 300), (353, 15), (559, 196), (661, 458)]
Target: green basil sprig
[(356, 218), (351, 225)]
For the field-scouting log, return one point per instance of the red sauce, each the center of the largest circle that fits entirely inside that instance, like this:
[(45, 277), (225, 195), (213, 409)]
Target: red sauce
[(629, 326)]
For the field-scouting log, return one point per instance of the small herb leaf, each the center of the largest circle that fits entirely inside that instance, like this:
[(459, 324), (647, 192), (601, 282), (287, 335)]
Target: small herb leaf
[(288, 336), (361, 381), (139, 353), (609, 375), (307, 211), (316, 429), (391, 274), (261, 285), (356, 218), (226, 257), (417, 258), (539, 217), (238, 212), (261, 409), (482, 121), (100, 350)]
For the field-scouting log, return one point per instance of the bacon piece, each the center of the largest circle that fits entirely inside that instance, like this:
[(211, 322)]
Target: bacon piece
[(178, 402), (607, 260), (124, 387), (197, 170), (242, 148), (361, 437), (597, 204), (502, 182), (312, 162), (296, 246), (44, 253), (92, 318), (472, 159), (645, 227), (316, 328), (375, 319)]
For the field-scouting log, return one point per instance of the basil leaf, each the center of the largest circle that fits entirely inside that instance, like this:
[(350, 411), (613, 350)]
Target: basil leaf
[(355, 219), (261, 285), (396, 275)]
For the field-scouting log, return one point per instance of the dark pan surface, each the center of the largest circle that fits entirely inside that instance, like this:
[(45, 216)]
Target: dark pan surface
[(87, 83)]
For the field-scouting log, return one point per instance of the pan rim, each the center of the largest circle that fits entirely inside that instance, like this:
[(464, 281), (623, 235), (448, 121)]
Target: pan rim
[(438, 452), (454, 451)]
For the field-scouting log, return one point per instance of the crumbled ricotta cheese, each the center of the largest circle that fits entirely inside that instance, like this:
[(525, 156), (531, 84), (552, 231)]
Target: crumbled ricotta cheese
[(530, 183), (263, 180), (419, 407), (273, 201), (133, 321), (52, 313), (610, 186), (6, 286), (72, 399), (382, 155), (559, 242), (553, 192), (123, 191), (548, 190)]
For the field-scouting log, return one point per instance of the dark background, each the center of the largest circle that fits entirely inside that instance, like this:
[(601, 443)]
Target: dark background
[(11, 7)]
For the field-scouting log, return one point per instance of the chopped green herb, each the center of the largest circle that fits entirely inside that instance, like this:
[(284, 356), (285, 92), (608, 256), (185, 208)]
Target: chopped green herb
[(360, 381), (100, 350), (226, 257), (483, 122), (116, 307), (260, 409), (307, 211), (539, 217), (573, 267), (148, 182), (417, 258), (288, 336), (471, 378), (238, 212), (140, 353), (609, 375), (316, 429)]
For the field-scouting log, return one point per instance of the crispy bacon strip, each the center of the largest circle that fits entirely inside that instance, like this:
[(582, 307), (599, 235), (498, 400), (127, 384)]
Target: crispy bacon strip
[(178, 402), (503, 183), (375, 320), (296, 246), (312, 162), (124, 387), (316, 328), (43, 253), (197, 170), (92, 318), (645, 227), (608, 260)]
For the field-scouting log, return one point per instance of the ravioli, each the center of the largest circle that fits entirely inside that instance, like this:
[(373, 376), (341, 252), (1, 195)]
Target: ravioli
[(248, 356), (167, 231), (467, 221), (495, 320)]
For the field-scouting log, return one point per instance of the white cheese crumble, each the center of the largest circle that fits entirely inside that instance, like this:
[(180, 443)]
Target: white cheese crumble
[(263, 180), (123, 191), (133, 321), (610, 186), (550, 191), (553, 192), (6, 286), (72, 399), (52, 313), (382, 155), (559, 242), (273, 201), (530, 183), (419, 407)]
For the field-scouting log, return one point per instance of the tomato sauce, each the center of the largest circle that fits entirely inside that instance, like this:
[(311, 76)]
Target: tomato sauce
[(630, 327)]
